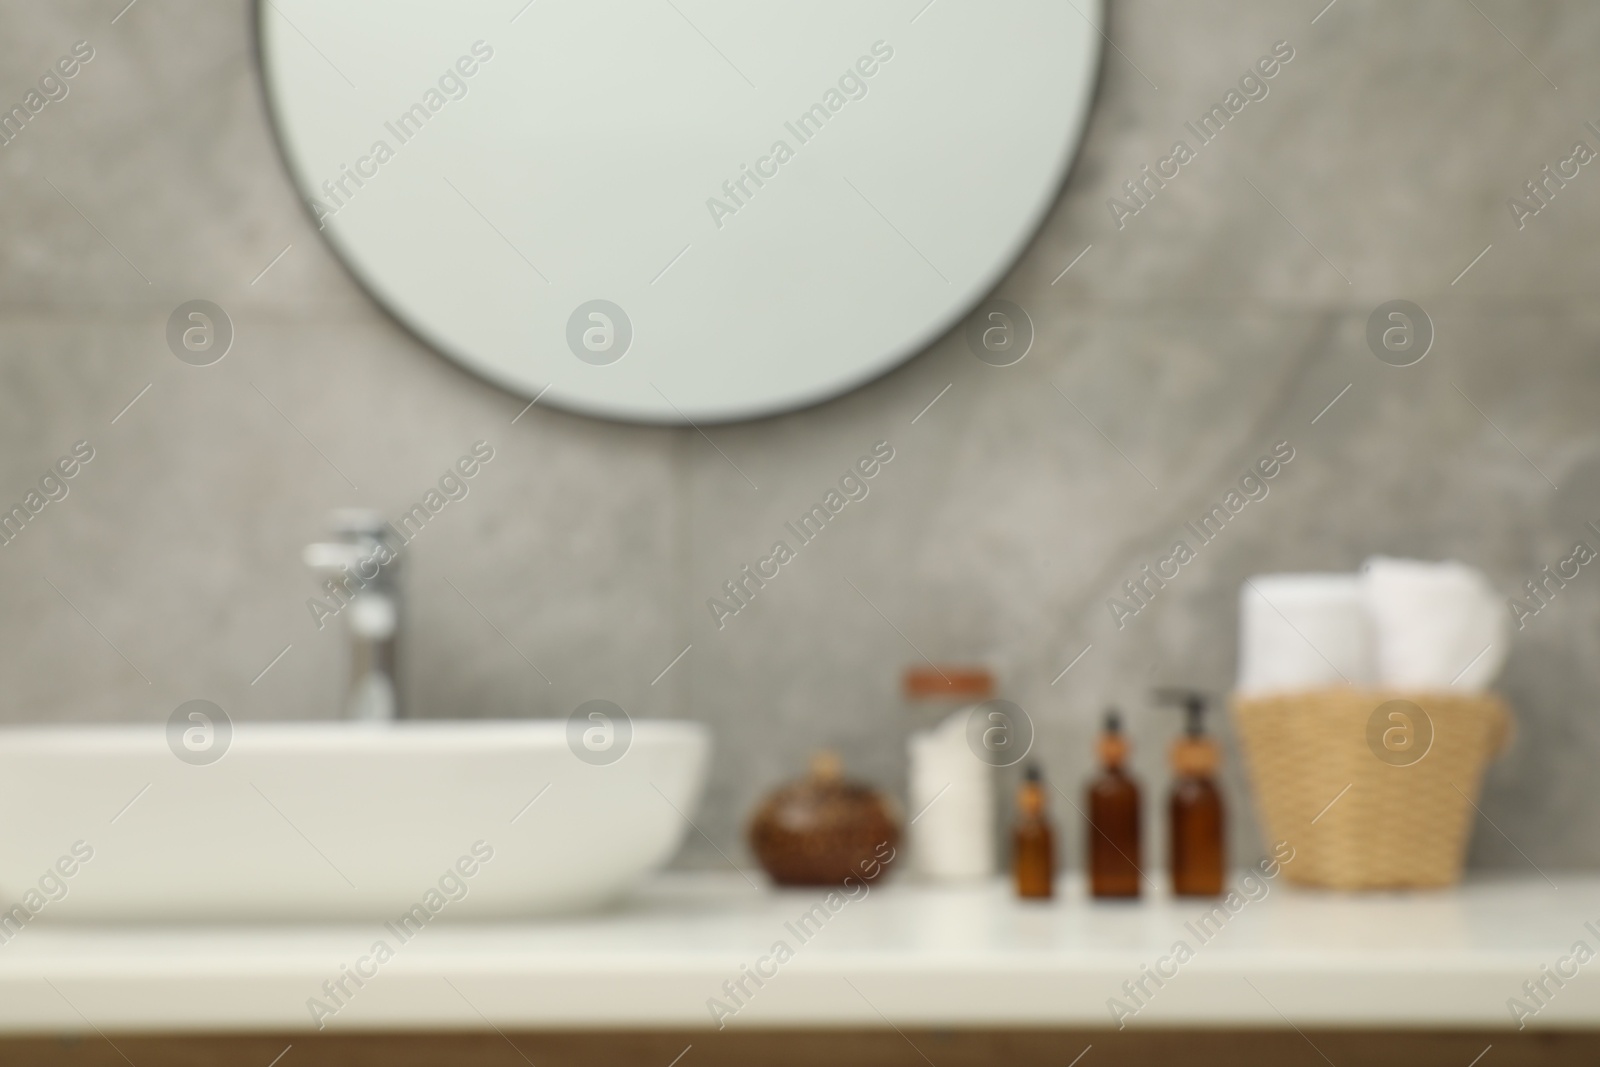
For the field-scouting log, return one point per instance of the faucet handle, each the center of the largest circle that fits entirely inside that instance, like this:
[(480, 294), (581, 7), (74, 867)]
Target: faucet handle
[(360, 524), (361, 537), (331, 557)]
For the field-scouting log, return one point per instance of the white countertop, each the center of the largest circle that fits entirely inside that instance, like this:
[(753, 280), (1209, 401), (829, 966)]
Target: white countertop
[(902, 955)]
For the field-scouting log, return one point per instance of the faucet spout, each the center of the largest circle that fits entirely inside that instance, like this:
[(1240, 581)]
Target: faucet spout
[(362, 566)]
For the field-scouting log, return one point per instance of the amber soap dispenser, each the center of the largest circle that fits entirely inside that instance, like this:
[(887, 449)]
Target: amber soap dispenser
[(1033, 846), (1113, 818), (1195, 825)]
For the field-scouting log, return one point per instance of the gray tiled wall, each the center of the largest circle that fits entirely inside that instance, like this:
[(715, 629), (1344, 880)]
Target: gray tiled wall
[(1222, 318)]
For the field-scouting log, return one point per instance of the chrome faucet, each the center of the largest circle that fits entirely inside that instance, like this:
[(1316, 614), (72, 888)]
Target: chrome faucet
[(360, 576)]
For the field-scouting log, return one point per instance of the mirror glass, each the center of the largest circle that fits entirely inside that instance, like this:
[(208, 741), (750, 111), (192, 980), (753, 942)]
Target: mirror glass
[(679, 210)]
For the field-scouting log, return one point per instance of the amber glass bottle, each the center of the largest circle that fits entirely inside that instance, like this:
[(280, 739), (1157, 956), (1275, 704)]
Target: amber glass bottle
[(1194, 812), (1113, 819), (1033, 845)]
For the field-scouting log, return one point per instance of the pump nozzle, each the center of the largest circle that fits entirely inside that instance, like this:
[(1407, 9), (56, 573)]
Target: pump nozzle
[(1193, 703)]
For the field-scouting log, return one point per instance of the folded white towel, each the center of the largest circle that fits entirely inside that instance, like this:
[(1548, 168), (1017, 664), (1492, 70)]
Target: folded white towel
[(1436, 625), (1300, 631)]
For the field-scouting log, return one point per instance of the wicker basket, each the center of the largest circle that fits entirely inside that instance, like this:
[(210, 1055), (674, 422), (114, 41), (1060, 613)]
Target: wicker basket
[(1334, 778)]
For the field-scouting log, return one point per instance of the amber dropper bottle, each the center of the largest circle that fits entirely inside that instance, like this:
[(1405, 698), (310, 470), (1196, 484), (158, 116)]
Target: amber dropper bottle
[(1113, 818), (1195, 825), (1033, 844)]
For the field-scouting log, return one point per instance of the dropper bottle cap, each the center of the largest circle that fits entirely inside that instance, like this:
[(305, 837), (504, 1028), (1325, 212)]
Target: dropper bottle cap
[(1113, 746), (1030, 797)]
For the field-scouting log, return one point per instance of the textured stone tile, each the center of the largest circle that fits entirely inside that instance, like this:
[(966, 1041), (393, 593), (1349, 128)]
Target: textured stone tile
[(157, 178), (1382, 156), (1004, 511)]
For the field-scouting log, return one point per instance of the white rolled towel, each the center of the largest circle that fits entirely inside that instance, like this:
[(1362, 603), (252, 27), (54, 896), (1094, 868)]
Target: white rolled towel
[(1436, 625), (1302, 631)]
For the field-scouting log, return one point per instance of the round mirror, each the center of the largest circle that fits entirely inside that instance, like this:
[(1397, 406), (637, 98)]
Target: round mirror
[(679, 210)]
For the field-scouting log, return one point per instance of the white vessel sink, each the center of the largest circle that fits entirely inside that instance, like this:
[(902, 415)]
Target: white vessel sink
[(336, 821)]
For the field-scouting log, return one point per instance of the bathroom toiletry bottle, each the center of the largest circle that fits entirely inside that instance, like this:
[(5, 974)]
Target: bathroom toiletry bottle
[(1195, 828), (1113, 819), (952, 795), (1033, 848)]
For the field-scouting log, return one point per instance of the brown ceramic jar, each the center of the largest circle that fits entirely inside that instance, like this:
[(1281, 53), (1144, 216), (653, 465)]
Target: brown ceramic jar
[(823, 829)]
